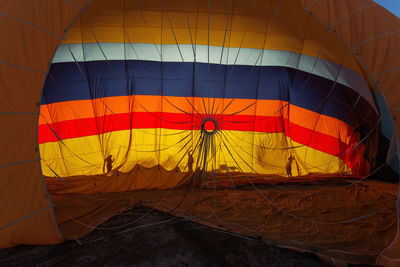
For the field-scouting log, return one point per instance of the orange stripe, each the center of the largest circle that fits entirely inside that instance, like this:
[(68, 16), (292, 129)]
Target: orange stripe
[(293, 29), (82, 109)]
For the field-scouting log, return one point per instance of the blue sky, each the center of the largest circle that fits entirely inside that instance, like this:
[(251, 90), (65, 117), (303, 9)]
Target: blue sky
[(392, 5)]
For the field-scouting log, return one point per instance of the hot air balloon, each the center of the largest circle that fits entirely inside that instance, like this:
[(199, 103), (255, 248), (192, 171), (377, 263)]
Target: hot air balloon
[(270, 118)]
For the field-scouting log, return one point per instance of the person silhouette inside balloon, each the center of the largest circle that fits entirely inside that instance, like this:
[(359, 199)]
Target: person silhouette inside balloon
[(108, 161), (190, 161), (289, 166)]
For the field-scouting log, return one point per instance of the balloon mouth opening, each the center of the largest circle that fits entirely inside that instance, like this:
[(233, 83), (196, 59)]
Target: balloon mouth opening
[(209, 126)]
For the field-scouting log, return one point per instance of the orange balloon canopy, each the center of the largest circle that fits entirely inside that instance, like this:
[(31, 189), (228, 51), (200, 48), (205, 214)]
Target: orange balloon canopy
[(266, 108)]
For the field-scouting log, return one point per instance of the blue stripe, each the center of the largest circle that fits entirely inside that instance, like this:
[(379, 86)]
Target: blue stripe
[(120, 78)]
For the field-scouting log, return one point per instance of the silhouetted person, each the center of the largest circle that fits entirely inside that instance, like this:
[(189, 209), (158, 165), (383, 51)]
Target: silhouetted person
[(190, 161), (108, 161), (289, 166)]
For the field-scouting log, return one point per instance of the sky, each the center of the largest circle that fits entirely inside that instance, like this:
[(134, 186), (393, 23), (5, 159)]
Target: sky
[(391, 5)]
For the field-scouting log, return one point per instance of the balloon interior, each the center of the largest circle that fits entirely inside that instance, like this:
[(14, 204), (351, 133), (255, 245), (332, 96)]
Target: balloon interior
[(253, 117)]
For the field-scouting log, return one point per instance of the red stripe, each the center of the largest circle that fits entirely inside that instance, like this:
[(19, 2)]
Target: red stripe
[(181, 121), (143, 120)]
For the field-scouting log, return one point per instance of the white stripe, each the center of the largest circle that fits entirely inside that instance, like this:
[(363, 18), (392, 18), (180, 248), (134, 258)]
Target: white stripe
[(247, 56)]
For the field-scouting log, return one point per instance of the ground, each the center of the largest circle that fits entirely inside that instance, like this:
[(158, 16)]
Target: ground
[(169, 241)]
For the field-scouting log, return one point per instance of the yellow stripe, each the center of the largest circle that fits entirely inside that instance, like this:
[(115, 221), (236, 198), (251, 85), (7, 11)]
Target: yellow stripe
[(254, 152)]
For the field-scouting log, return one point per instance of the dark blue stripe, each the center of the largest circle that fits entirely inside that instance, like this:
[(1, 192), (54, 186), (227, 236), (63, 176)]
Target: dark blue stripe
[(120, 78)]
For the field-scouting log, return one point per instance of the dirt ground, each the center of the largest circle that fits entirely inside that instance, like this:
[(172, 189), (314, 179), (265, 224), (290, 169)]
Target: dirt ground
[(158, 239)]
